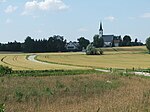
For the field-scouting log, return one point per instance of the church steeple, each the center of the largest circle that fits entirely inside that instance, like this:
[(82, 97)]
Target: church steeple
[(100, 30)]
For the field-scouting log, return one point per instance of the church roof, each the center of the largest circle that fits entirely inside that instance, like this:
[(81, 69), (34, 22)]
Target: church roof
[(108, 38)]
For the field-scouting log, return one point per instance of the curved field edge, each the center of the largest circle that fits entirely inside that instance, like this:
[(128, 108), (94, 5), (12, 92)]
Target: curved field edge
[(20, 62), (62, 66), (14, 65), (59, 63), (4, 61)]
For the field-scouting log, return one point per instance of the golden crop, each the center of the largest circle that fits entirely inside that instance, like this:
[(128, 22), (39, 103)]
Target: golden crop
[(126, 57)]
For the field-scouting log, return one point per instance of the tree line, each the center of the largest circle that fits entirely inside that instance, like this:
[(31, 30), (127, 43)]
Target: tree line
[(57, 43), (53, 44)]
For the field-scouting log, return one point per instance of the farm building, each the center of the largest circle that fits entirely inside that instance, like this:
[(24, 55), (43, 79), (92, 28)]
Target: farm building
[(109, 40)]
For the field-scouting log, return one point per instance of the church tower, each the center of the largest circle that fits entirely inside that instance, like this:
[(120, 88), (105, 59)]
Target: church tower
[(100, 30)]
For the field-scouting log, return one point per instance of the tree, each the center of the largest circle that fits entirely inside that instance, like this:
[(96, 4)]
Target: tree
[(29, 45), (98, 42), (148, 44), (83, 42), (91, 50), (126, 40), (101, 42), (56, 44)]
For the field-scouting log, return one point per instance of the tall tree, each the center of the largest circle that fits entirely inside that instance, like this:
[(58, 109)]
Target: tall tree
[(83, 42), (101, 42), (96, 41)]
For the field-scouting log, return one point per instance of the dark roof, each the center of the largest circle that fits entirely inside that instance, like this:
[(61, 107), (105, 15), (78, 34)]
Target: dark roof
[(76, 44), (108, 38)]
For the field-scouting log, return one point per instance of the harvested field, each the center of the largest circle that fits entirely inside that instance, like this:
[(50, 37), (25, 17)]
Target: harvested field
[(20, 62), (126, 57), (118, 57)]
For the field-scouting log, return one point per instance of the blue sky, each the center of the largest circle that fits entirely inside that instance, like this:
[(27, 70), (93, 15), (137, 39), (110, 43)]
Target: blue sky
[(73, 18)]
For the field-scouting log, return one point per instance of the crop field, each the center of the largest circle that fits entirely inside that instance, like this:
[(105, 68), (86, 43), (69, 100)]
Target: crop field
[(126, 49), (20, 62), (126, 57), (67, 82), (118, 57)]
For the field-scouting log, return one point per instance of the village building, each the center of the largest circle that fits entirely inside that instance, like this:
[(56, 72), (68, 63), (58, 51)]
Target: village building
[(109, 40), (72, 46)]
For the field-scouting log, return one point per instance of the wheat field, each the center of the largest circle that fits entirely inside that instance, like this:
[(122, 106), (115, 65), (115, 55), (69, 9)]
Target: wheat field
[(118, 57), (127, 57), (20, 62)]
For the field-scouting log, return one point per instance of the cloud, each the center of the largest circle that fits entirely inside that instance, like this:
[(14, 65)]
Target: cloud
[(45, 5), (146, 15), (10, 9), (110, 18)]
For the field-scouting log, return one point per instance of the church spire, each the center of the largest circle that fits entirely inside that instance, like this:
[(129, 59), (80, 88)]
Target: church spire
[(101, 28)]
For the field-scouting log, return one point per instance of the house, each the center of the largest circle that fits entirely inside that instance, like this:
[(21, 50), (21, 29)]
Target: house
[(72, 46), (109, 40)]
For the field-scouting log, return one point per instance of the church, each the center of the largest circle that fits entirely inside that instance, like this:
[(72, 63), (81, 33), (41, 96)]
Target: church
[(109, 40)]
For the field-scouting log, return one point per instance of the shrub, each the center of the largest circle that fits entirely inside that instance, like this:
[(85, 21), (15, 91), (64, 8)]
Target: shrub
[(2, 108), (148, 44), (91, 50), (4, 70), (99, 51)]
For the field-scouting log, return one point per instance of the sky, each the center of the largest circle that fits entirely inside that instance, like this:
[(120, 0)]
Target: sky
[(73, 18)]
